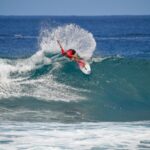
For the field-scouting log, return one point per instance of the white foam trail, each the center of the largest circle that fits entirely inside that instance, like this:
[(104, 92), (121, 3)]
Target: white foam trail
[(45, 88), (82, 136), (14, 74)]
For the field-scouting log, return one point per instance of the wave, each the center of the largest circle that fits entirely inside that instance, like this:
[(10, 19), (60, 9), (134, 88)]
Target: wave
[(17, 36), (48, 87), (117, 90), (17, 76), (129, 36), (124, 38)]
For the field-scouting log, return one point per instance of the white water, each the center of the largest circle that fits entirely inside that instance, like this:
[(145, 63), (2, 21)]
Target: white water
[(15, 74), (82, 136)]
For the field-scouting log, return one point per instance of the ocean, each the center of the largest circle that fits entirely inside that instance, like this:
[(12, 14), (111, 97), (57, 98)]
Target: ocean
[(47, 103)]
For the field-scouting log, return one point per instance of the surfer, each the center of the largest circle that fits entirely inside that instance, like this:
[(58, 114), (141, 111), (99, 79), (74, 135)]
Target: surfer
[(71, 54)]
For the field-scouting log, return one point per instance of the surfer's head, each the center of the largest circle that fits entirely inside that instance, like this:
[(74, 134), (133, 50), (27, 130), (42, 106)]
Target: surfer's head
[(70, 53)]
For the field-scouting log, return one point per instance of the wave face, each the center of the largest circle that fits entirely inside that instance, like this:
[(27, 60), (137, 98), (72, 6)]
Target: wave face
[(62, 90), (44, 86)]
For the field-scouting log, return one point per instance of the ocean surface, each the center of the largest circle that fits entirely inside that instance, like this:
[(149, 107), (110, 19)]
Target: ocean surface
[(47, 103)]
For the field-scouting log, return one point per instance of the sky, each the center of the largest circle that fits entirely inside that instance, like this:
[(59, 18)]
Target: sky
[(75, 7)]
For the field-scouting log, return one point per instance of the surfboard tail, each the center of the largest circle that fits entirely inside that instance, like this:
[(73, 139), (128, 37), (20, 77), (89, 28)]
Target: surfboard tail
[(84, 67)]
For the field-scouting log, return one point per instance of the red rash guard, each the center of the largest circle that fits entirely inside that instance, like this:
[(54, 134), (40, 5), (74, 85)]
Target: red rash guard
[(69, 53)]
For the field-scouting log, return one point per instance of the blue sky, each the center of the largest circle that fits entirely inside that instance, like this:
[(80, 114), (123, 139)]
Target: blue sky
[(74, 7)]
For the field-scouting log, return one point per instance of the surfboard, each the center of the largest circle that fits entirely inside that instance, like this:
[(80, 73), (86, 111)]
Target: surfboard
[(86, 69)]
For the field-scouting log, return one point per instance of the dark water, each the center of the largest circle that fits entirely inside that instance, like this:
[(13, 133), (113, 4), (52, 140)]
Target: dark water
[(39, 85)]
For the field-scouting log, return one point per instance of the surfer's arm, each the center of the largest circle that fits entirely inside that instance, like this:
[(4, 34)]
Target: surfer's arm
[(62, 50)]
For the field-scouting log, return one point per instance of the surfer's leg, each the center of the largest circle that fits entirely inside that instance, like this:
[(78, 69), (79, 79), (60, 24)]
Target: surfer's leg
[(81, 63)]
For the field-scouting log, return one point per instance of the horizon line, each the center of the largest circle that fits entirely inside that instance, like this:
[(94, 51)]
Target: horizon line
[(81, 15)]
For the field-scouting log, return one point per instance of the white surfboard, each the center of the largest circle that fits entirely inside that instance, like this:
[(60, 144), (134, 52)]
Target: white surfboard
[(86, 69)]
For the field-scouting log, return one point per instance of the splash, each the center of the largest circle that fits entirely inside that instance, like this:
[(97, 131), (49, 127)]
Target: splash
[(70, 36)]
